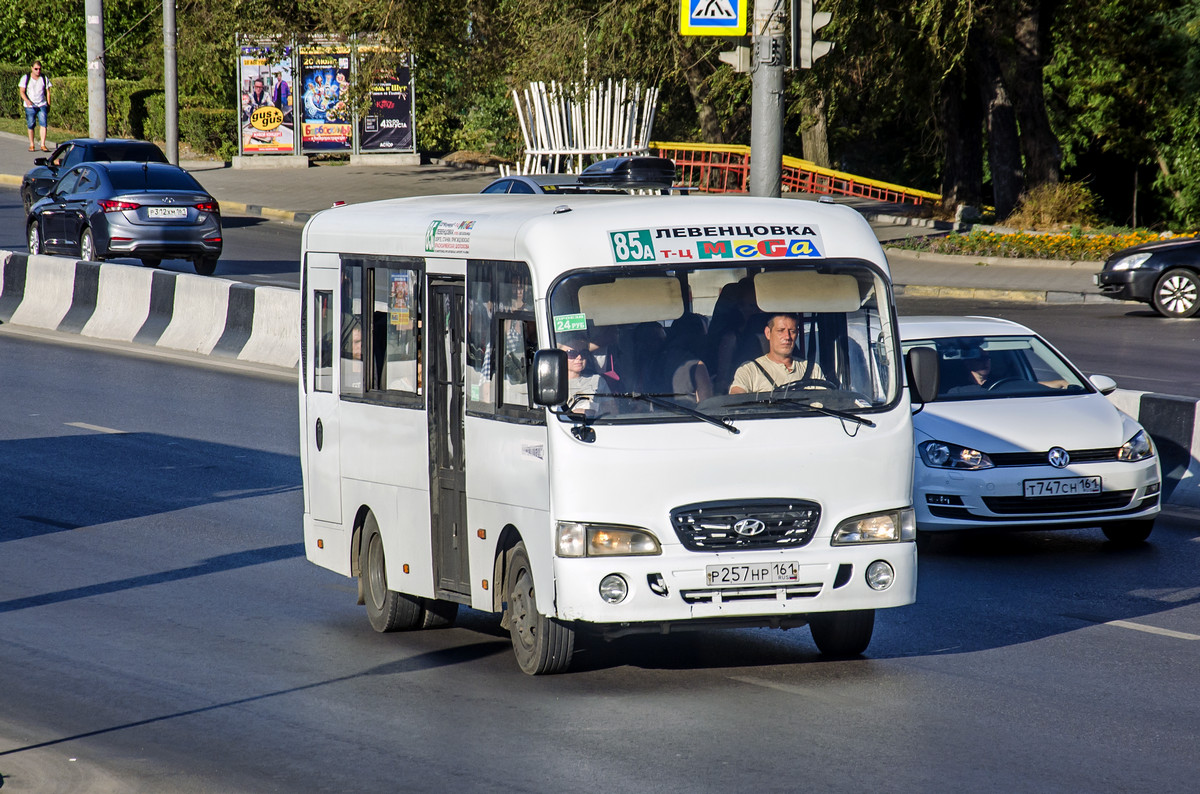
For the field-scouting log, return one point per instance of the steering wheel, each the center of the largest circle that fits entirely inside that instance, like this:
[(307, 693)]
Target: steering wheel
[(805, 383), (991, 386)]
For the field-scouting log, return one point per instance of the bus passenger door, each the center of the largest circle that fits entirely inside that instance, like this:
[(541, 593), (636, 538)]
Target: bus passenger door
[(446, 347), (321, 431)]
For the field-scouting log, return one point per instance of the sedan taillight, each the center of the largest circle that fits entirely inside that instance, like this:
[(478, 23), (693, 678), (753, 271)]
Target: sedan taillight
[(117, 206), (208, 206)]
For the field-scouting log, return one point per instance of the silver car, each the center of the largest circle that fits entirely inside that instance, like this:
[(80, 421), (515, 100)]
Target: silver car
[(146, 211)]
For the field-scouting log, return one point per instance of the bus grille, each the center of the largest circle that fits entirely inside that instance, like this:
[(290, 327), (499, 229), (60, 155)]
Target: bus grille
[(746, 525)]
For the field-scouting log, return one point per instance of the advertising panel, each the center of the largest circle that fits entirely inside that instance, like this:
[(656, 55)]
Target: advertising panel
[(387, 124), (265, 88), (325, 76)]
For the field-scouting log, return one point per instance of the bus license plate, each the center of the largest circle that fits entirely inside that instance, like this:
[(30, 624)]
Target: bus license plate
[(1063, 486), (753, 573), (166, 212)]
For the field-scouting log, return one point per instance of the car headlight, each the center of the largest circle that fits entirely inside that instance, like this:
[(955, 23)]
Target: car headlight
[(890, 527), (941, 455), (1131, 262), (1139, 447), (603, 540)]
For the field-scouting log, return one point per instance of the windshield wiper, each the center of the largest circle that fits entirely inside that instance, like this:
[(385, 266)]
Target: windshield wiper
[(657, 399), (821, 409)]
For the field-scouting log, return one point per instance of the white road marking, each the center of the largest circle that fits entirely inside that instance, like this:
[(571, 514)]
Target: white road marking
[(1126, 624), (95, 428)]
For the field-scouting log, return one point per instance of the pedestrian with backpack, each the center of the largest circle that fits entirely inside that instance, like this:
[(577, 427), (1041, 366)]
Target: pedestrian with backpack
[(35, 95)]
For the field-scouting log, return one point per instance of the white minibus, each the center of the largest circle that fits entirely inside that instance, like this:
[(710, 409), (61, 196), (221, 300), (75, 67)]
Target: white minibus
[(609, 414)]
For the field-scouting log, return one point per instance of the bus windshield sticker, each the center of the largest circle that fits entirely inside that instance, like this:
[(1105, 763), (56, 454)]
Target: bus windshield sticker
[(448, 237), (733, 242), (564, 323)]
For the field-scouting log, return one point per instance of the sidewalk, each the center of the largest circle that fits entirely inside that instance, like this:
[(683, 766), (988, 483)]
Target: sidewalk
[(293, 195)]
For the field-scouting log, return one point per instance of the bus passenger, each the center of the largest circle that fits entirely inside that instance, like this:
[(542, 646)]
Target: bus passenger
[(779, 366)]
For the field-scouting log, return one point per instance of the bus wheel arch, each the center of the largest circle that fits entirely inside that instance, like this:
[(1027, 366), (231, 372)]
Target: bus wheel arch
[(510, 536), (356, 539)]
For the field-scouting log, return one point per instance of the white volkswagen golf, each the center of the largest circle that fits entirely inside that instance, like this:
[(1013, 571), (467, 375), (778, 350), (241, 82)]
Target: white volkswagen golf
[(1018, 438)]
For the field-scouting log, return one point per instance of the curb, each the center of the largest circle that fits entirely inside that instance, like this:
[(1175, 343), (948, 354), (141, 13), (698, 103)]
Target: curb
[(176, 311), (1007, 295), (283, 216), (1089, 265)]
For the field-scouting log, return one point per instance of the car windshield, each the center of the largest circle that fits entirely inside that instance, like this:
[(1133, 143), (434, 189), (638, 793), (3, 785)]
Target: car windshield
[(153, 179), (661, 344), (992, 367)]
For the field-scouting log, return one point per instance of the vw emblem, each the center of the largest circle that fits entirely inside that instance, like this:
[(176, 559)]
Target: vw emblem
[(1058, 457), (749, 527)]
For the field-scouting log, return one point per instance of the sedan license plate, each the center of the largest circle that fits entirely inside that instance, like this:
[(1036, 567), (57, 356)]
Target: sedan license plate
[(752, 573), (166, 212), (1063, 486)]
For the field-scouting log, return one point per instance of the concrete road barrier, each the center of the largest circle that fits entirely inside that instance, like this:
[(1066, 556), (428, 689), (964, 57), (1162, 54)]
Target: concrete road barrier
[(125, 303), (218, 317)]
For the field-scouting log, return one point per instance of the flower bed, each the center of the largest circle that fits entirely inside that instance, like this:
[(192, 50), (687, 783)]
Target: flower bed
[(1033, 245)]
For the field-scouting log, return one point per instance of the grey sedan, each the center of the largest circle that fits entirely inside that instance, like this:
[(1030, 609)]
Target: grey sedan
[(147, 211)]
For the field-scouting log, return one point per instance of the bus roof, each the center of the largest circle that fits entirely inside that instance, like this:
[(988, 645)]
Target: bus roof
[(555, 234)]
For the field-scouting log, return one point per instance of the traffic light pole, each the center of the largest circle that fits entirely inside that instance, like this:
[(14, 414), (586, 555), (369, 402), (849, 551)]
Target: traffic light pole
[(766, 106)]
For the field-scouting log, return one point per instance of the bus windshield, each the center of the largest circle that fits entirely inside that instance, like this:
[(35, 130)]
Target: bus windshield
[(747, 342)]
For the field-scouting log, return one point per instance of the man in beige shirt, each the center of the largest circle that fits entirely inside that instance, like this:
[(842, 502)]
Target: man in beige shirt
[(777, 367)]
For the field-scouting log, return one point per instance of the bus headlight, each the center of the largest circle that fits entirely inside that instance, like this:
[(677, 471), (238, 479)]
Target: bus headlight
[(890, 527), (574, 539)]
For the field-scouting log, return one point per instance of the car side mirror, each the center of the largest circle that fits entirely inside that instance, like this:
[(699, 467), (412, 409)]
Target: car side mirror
[(43, 190), (924, 374), (1103, 383), (40, 160), (550, 377)]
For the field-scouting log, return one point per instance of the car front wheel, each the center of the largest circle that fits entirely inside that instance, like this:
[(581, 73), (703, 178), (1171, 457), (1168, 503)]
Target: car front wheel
[(1177, 293), (35, 239)]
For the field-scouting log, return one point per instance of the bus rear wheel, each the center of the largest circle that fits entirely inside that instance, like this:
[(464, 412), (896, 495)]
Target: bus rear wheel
[(386, 609), (542, 645), (843, 634)]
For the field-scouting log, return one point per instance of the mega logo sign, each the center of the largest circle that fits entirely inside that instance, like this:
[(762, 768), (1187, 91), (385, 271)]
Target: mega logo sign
[(736, 242)]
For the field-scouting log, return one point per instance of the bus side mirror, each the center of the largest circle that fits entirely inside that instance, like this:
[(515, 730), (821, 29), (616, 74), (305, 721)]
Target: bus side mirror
[(550, 377), (923, 370)]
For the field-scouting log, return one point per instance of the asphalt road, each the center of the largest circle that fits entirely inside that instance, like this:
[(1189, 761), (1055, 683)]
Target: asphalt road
[(160, 631)]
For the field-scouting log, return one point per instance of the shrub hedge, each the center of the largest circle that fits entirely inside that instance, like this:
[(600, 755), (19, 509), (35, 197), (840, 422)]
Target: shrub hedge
[(136, 109)]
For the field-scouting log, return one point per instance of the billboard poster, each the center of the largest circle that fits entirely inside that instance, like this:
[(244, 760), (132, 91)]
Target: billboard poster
[(325, 105), (265, 88), (387, 125)]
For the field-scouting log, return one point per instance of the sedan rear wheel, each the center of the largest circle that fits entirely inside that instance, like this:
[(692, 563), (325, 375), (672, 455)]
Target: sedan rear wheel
[(205, 265), (35, 239), (151, 261), (87, 246), (1177, 293)]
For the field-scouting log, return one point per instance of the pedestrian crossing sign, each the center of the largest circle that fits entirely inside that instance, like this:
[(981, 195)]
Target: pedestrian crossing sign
[(712, 17)]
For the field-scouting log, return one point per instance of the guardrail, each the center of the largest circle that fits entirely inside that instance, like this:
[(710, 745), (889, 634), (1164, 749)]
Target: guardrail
[(720, 168)]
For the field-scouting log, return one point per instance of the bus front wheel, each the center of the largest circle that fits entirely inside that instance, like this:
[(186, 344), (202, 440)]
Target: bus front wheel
[(386, 609), (842, 634), (542, 645)]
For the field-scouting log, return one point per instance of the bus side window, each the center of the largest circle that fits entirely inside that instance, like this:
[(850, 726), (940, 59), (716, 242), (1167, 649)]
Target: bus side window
[(352, 341), (480, 308), (322, 355), (395, 333), (520, 338)]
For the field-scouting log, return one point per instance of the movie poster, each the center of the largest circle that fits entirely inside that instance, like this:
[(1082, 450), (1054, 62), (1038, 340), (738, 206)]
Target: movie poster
[(387, 126), (265, 88), (325, 74)]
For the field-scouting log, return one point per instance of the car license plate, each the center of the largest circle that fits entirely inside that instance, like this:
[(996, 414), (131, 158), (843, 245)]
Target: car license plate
[(166, 212), (753, 573), (1063, 486)]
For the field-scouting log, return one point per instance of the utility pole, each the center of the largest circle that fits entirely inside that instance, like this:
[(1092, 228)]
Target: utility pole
[(97, 87), (170, 82), (766, 106)]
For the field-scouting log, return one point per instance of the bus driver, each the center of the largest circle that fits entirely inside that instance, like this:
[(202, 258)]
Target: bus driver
[(778, 367)]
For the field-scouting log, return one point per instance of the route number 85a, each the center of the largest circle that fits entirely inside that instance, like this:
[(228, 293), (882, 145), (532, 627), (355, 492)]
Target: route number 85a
[(632, 246)]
